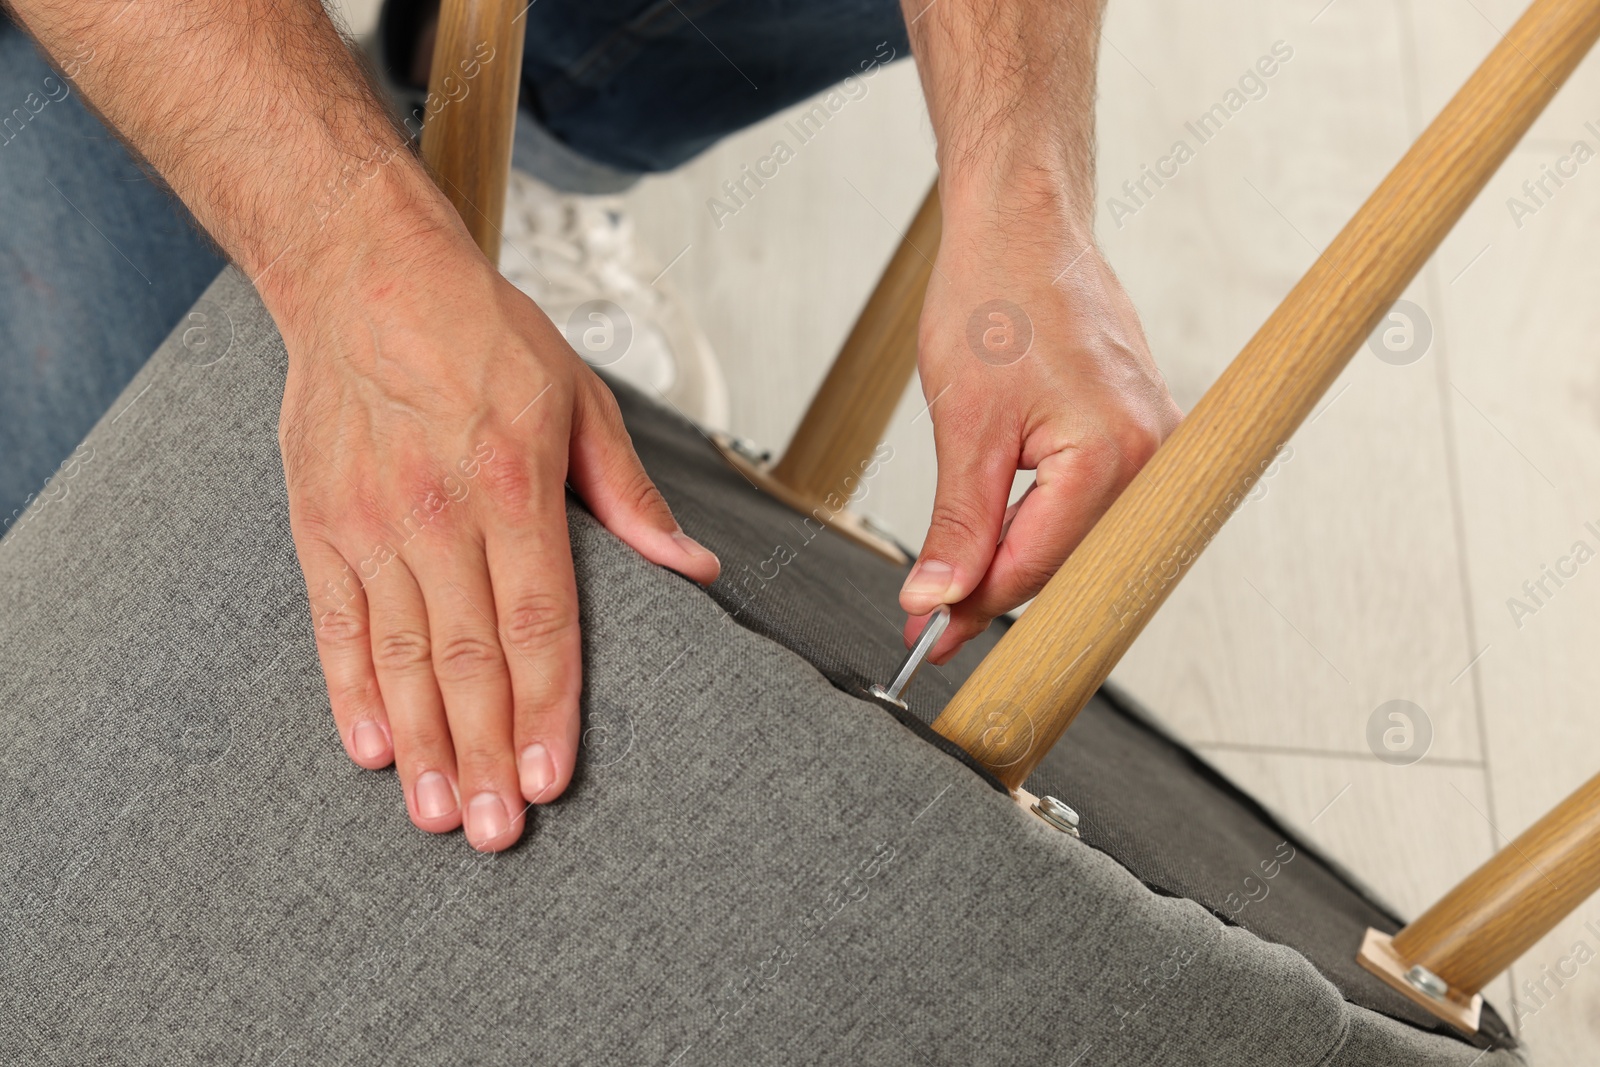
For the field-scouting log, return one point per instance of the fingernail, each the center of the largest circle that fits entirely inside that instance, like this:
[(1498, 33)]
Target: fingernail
[(435, 797), (691, 546), (368, 740), (486, 819), (537, 770), (929, 578)]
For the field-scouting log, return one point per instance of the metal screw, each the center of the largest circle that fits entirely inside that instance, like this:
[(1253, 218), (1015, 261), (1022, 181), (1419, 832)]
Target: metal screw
[(925, 642), (1057, 814), (750, 450), (1428, 982)]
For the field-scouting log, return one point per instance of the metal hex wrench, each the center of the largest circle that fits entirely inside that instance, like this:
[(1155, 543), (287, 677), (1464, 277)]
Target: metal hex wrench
[(937, 622)]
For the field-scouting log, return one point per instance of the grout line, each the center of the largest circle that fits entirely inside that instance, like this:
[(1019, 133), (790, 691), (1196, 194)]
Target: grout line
[(1452, 454), (1405, 15), (1430, 279)]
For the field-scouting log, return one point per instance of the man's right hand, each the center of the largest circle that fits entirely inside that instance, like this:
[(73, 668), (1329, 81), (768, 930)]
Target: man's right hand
[(431, 419), (432, 413)]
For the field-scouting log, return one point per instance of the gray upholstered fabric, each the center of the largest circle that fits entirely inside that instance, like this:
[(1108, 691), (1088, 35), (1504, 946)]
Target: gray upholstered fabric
[(1183, 830), (753, 868)]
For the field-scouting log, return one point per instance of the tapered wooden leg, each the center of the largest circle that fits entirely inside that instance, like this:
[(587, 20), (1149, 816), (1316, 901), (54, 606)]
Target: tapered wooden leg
[(1027, 691), (848, 417), (1496, 914), (471, 110)]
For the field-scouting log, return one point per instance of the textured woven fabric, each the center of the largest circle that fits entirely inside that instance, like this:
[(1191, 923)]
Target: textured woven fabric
[(752, 867), (1147, 801)]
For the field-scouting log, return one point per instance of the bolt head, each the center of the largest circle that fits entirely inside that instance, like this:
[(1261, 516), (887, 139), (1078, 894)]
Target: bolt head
[(1428, 982), (1057, 814)]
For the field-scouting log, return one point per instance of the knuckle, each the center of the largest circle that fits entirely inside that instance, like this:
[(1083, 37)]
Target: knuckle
[(357, 695), (606, 408), (640, 494), (535, 619), (340, 628), (959, 422), (1138, 441), (400, 651), (959, 524), (466, 657), (1030, 576), (1113, 456), (508, 486)]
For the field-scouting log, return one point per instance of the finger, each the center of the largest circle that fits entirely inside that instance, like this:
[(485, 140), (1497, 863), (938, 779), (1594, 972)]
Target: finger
[(470, 667), (606, 472), (339, 616), (537, 601), (1068, 497), (524, 516), (969, 504), (403, 659)]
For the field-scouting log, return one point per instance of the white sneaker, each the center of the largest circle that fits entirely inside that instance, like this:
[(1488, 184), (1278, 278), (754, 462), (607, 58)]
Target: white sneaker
[(577, 258)]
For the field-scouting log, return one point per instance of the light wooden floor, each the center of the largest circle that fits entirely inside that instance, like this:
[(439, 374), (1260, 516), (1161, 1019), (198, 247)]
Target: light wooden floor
[(1418, 500)]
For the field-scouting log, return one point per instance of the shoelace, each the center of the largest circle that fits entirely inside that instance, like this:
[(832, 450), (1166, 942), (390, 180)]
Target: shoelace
[(578, 248)]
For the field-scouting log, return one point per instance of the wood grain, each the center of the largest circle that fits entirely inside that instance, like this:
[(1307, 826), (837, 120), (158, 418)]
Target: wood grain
[(852, 408), (471, 110), (1027, 692), (1499, 911)]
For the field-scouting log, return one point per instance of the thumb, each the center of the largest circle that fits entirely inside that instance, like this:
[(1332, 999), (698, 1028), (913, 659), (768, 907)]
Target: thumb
[(605, 471), (968, 507)]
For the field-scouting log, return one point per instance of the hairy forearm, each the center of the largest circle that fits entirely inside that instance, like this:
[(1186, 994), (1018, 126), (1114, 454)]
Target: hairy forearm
[(257, 115), (1010, 87)]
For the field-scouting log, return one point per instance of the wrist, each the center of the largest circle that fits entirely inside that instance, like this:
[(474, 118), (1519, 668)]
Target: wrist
[(373, 236), (1034, 204)]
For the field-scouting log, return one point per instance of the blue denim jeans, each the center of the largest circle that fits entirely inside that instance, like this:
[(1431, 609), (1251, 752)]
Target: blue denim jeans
[(98, 263), (640, 87)]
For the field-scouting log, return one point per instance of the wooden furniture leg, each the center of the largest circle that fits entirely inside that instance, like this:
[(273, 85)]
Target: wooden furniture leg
[(471, 113), (1029, 689), (851, 410), (1482, 926), (466, 141)]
